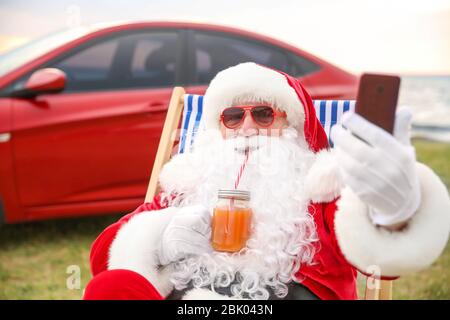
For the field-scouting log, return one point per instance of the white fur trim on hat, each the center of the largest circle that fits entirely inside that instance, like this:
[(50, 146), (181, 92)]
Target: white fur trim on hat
[(395, 253), (251, 83), (323, 182), (136, 244)]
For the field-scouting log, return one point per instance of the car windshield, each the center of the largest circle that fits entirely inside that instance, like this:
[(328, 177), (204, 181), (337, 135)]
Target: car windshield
[(16, 57)]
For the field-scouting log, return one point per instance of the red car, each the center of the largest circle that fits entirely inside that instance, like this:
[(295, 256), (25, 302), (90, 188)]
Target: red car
[(81, 139)]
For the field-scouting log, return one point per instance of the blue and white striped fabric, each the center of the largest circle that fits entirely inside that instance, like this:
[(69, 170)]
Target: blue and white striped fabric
[(192, 113), (329, 112)]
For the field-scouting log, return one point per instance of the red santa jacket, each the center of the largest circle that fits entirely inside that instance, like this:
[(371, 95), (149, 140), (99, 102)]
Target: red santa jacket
[(329, 277)]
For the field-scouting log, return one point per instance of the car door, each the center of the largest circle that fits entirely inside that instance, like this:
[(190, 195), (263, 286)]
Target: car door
[(91, 147)]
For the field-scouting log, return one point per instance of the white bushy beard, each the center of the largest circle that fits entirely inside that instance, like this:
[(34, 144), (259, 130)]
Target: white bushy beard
[(283, 232)]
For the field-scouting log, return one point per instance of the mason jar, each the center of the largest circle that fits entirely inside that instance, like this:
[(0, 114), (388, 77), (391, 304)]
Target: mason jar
[(231, 221)]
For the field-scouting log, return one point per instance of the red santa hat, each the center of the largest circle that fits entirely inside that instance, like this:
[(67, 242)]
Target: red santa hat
[(250, 82)]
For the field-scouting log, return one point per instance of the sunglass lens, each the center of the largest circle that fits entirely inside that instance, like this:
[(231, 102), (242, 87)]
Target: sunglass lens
[(232, 117), (263, 115)]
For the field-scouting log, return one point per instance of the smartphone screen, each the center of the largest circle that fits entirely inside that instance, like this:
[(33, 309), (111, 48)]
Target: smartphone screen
[(377, 99)]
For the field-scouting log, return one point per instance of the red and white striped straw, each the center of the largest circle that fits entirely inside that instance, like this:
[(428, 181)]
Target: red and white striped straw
[(241, 169)]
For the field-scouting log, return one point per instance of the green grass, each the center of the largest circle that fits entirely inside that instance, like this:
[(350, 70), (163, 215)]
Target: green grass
[(34, 257), (437, 156)]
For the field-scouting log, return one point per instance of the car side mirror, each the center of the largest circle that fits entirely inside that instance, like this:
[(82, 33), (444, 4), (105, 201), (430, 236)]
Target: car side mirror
[(47, 80)]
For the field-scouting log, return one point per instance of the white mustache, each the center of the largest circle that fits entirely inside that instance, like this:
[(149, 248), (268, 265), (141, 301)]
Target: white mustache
[(252, 143)]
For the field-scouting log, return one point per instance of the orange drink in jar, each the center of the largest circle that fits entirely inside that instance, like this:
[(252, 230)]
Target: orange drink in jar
[(231, 221)]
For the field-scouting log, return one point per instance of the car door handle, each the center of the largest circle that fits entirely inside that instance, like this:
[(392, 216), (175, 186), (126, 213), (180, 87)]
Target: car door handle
[(5, 137)]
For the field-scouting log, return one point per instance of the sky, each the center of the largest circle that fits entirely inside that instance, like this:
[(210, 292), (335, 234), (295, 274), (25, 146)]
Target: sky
[(396, 36)]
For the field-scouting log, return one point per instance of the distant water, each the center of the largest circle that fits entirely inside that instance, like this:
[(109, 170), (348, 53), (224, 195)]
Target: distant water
[(429, 99)]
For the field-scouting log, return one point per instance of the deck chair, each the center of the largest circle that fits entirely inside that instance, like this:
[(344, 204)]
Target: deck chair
[(190, 106)]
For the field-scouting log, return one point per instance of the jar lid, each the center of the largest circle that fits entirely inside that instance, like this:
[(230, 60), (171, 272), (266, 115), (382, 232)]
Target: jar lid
[(234, 194)]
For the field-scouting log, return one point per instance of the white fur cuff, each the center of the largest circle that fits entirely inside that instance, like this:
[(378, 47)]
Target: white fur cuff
[(136, 244), (371, 248)]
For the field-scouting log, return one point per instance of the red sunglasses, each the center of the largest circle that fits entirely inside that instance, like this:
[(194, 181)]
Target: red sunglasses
[(262, 115)]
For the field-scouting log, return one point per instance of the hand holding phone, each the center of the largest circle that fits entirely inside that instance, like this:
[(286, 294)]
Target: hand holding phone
[(375, 164)]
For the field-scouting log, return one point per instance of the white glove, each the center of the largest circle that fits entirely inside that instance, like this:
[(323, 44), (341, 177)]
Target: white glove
[(381, 170), (188, 233)]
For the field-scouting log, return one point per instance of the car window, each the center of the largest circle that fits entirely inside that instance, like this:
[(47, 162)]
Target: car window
[(154, 60), (303, 66), (90, 65), (215, 52), (138, 60)]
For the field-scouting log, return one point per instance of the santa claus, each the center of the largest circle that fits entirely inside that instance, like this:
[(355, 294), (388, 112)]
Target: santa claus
[(318, 216)]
